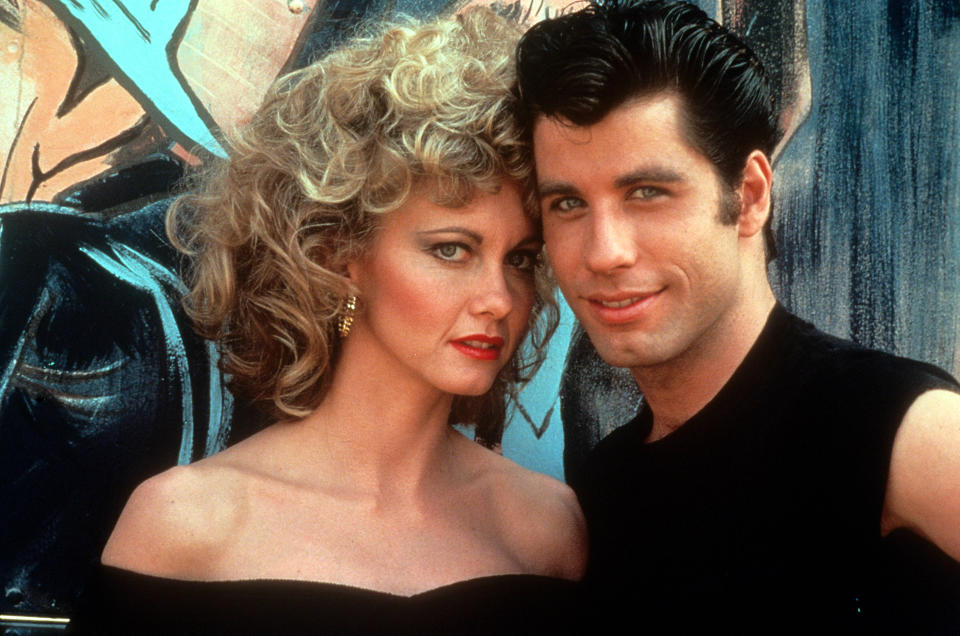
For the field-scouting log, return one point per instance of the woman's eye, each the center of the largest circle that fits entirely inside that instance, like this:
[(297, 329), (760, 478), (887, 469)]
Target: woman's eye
[(525, 261), (451, 252)]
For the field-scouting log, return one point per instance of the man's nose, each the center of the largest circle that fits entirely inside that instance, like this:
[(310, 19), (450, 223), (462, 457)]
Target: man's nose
[(610, 245)]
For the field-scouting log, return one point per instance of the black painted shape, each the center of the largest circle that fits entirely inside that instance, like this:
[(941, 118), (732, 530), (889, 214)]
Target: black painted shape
[(339, 19), (595, 399), (127, 188), (90, 401), (774, 32)]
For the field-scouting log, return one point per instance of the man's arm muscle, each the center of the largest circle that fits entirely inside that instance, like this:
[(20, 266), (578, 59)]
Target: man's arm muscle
[(923, 489)]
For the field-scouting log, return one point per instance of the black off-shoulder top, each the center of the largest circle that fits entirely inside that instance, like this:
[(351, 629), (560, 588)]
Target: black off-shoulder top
[(124, 602)]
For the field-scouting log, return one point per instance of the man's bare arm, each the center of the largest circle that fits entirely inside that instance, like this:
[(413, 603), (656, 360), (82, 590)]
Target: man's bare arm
[(923, 489)]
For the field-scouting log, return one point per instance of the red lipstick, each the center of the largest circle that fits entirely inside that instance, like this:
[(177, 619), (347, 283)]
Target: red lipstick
[(479, 346)]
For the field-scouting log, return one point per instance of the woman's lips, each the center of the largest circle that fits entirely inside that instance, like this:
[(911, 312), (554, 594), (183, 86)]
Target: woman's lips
[(479, 346)]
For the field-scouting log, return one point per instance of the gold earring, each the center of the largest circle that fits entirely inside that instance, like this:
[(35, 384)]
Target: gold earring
[(345, 321)]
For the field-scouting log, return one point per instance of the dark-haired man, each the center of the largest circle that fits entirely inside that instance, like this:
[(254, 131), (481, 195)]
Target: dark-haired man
[(753, 491)]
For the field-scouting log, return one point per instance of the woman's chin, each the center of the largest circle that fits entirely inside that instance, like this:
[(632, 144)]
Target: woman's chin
[(472, 389)]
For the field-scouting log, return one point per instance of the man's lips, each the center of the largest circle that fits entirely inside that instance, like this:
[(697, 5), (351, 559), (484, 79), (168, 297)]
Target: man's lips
[(622, 307), (479, 346)]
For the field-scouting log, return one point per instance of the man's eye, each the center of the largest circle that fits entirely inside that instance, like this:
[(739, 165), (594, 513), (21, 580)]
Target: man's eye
[(451, 252), (566, 204), (645, 192)]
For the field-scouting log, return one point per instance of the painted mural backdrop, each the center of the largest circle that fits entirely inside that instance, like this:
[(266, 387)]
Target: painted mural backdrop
[(105, 104)]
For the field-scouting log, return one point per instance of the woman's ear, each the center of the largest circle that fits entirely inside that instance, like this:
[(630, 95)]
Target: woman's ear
[(754, 194), (353, 271)]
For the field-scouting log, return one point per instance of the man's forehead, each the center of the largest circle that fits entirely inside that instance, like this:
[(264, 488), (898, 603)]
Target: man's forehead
[(645, 135), (667, 106), (561, 125)]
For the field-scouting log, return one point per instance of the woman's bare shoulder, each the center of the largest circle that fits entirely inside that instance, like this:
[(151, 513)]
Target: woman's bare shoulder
[(174, 523), (540, 519)]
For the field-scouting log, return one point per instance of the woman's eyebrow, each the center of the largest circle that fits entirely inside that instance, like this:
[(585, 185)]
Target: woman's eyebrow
[(533, 240), (455, 230)]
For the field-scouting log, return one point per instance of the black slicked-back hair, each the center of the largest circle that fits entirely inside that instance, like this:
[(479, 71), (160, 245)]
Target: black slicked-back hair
[(582, 65)]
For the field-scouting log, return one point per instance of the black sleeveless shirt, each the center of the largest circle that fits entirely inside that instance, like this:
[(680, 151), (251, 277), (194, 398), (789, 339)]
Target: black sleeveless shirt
[(761, 514)]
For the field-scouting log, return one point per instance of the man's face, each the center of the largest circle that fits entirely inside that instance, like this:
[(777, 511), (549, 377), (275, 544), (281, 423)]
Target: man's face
[(631, 219)]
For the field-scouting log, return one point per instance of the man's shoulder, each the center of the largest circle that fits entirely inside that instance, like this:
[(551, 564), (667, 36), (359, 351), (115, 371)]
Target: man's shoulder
[(858, 394), (809, 343), (841, 362)]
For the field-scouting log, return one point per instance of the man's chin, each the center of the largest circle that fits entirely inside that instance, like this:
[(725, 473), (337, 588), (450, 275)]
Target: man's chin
[(629, 355)]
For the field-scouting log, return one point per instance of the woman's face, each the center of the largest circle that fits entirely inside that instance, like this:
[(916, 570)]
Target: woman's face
[(446, 293)]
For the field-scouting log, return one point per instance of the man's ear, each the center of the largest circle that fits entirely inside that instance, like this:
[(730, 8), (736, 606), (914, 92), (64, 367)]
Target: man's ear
[(754, 193)]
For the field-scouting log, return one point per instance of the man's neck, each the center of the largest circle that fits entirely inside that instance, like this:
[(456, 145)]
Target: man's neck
[(677, 390)]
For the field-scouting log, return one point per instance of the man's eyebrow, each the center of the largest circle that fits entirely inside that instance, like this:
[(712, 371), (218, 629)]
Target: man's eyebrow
[(656, 175), (455, 229), (553, 188)]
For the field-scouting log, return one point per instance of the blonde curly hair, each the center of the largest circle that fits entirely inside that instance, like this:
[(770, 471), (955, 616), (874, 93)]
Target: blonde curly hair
[(334, 146)]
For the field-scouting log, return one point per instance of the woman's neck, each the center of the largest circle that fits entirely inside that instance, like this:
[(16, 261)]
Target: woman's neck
[(380, 429)]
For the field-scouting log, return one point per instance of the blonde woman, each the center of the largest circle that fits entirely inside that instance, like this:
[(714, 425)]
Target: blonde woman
[(368, 263)]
